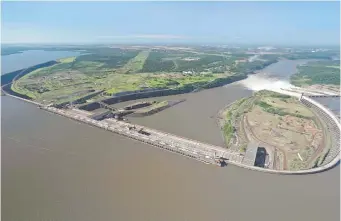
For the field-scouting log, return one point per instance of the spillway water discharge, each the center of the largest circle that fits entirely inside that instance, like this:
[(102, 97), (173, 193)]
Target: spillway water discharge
[(263, 81)]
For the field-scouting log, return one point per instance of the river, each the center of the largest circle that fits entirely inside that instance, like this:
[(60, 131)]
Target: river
[(57, 169), (29, 58)]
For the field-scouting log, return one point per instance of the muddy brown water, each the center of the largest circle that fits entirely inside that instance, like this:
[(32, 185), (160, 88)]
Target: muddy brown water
[(57, 169)]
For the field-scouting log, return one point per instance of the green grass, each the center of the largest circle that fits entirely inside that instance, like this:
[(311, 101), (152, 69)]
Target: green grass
[(116, 70), (123, 82), (157, 82), (228, 128), (278, 111), (67, 60), (21, 90), (243, 148), (136, 64)]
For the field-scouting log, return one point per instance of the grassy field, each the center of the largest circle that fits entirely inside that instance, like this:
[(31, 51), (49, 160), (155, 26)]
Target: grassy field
[(136, 64), (115, 70), (67, 60)]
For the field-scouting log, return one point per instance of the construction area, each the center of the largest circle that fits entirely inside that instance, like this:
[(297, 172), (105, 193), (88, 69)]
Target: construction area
[(288, 134)]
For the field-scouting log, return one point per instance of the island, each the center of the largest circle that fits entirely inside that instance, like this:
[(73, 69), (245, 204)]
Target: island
[(287, 135), (321, 75)]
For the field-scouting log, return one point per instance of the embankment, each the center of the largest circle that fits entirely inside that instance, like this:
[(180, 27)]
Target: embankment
[(123, 97), (15, 75), (155, 110), (8, 79), (79, 100)]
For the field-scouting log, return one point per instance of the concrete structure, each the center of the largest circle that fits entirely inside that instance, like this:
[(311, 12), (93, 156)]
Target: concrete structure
[(330, 102), (102, 115), (333, 126), (250, 154)]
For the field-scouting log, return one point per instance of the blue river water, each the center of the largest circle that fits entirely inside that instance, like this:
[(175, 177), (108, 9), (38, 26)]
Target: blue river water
[(29, 58)]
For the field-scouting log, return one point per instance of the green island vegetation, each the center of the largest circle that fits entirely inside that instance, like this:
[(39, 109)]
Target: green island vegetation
[(228, 128), (311, 54), (317, 72), (249, 67), (114, 70), (278, 121)]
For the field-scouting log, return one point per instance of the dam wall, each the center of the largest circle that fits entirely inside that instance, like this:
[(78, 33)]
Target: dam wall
[(135, 95), (333, 127), (15, 75), (204, 154), (90, 106), (8, 90), (7, 79), (193, 149), (155, 110), (148, 94), (222, 81)]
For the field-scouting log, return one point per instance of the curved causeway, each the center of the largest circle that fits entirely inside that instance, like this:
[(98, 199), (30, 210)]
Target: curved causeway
[(203, 152), (207, 153)]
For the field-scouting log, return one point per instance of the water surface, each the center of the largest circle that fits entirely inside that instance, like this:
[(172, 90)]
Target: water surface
[(29, 58)]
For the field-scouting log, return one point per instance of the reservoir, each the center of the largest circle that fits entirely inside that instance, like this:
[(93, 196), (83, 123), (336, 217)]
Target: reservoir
[(29, 58), (57, 169)]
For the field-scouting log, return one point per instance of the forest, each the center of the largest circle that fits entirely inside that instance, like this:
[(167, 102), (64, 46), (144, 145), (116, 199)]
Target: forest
[(319, 72)]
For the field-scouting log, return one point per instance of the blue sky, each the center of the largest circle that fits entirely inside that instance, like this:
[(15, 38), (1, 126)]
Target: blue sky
[(172, 22)]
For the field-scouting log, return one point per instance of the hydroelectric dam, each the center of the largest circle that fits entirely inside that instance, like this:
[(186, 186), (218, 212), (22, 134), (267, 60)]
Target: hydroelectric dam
[(207, 153), (203, 152)]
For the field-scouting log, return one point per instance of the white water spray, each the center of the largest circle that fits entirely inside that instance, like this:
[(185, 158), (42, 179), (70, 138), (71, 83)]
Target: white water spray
[(261, 81)]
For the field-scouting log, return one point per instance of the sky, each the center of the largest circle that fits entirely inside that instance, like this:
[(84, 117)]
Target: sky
[(271, 23)]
